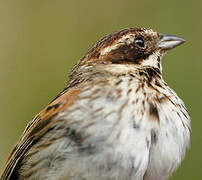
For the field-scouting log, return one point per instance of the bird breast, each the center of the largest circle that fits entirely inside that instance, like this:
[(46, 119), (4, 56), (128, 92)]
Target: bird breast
[(119, 128)]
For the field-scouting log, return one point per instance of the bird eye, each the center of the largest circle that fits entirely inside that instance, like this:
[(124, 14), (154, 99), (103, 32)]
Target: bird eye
[(139, 41)]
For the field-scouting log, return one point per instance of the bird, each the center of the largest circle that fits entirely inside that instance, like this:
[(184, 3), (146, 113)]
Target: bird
[(116, 119)]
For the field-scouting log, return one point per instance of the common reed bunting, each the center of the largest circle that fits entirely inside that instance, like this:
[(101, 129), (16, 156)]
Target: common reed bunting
[(116, 119)]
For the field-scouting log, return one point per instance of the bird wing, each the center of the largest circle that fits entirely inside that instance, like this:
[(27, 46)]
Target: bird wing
[(37, 128)]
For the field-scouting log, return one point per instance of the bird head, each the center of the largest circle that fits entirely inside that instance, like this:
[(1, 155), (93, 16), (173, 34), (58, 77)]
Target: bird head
[(127, 50), (136, 46)]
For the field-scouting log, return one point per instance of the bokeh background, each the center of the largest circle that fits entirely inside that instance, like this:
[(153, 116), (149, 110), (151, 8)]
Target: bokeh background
[(40, 41)]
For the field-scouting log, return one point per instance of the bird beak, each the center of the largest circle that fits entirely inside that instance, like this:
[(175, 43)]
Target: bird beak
[(168, 42)]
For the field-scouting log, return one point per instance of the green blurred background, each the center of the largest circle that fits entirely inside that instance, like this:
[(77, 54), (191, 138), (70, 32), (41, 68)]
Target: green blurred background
[(40, 41)]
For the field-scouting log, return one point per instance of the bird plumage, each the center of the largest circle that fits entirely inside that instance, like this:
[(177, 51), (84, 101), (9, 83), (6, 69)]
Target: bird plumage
[(116, 119)]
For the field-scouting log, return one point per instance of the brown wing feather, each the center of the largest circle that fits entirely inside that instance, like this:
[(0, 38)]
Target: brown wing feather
[(37, 128)]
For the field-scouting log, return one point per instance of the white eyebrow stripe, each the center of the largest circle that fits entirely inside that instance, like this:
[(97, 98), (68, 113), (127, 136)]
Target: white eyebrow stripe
[(151, 32), (126, 39)]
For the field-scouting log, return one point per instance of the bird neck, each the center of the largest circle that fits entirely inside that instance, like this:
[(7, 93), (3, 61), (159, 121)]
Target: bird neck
[(91, 72)]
